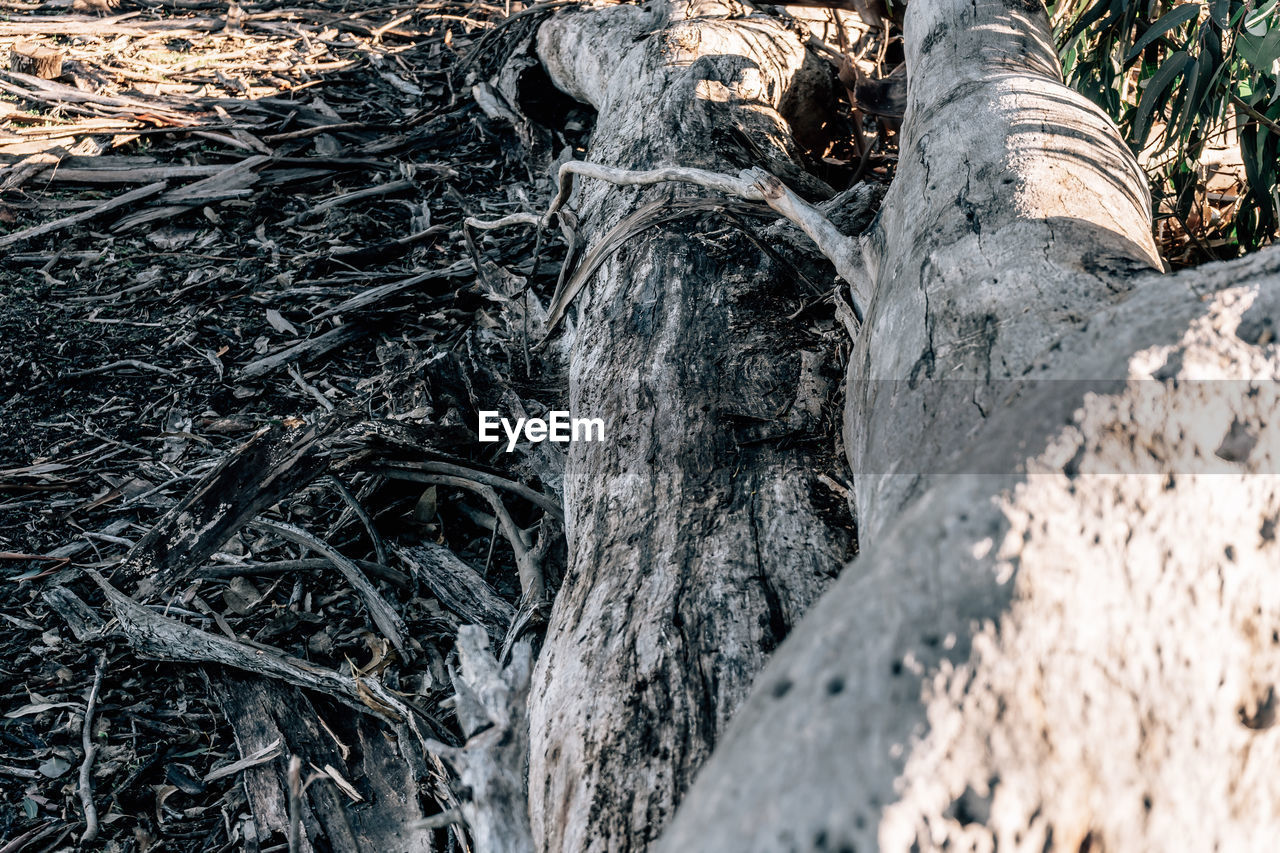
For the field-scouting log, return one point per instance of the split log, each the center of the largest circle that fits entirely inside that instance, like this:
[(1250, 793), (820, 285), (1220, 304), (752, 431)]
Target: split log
[(1061, 630), (696, 531)]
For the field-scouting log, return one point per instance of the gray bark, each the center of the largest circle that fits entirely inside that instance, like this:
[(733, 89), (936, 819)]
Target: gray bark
[(262, 713), (491, 704), (1060, 633), (695, 530)]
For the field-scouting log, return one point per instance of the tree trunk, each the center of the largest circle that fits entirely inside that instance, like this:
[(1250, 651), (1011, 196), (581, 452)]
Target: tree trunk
[(1061, 630), (695, 529)]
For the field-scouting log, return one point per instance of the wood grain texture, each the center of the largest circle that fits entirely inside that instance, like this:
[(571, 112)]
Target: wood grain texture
[(696, 531), (262, 712), (1060, 632)]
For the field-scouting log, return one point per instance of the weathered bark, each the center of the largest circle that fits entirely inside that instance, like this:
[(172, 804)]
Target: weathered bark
[(262, 712), (37, 60), (695, 532), (492, 707), (1061, 631), (273, 463)]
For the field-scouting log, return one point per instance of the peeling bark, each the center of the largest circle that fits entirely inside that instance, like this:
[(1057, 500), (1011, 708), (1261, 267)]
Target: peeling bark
[(262, 713), (1061, 631), (696, 532), (492, 707)]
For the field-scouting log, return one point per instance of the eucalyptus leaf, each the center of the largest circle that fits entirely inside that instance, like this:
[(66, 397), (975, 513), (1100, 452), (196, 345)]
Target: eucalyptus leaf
[(1261, 52), (1171, 21), (54, 767), (424, 511), (1161, 82), (1258, 21)]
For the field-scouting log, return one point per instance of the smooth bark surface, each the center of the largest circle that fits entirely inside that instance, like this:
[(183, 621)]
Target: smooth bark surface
[(1061, 633), (696, 532)]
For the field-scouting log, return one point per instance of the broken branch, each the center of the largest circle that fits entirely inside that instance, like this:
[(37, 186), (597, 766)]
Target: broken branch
[(843, 251)]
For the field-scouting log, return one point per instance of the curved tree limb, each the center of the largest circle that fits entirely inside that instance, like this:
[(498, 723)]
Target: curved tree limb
[(756, 184)]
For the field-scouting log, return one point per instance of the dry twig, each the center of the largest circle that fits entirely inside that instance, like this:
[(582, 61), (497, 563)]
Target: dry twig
[(90, 752)]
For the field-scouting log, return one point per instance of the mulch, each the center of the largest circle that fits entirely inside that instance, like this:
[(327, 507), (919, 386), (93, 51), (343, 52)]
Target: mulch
[(237, 284)]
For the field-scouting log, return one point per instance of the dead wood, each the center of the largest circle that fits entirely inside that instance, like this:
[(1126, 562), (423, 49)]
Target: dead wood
[(382, 613), (35, 60), (718, 534), (267, 716), (492, 764), (76, 218), (459, 587), (305, 350), (279, 567), (269, 466), (135, 358)]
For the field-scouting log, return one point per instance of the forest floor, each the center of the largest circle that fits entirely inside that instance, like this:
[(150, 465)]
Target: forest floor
[(236, 284), (269, 201)]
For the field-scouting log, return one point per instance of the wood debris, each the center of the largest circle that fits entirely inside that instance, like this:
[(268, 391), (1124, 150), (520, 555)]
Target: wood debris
[(240, 321)]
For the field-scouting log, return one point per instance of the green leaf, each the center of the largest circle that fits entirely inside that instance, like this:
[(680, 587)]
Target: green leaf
[(1090, 17), (30, 808), (1256, 22), (1218, 10), (1259, 175), (1199, 78), (1154, 95), (1261, 52), (1174, 19)]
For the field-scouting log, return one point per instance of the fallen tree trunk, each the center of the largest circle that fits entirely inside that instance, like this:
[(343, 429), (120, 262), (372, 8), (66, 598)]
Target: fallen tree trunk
[(696, 529), (1061, 632)]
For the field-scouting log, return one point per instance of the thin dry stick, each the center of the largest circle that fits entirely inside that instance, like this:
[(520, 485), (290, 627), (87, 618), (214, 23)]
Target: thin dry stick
[(1257, 116), (368, 192), (728, 184), (843, 251), (120, 365), (152, 634), (383, 614), (307, 387), (349, 499), (90, 751), (295, 804), (84, 216), (534, 496), (279, 567), (531, 581)]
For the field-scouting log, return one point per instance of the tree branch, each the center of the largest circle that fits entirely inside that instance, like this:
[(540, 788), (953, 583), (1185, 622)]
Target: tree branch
[(843, 251), (491, 708)]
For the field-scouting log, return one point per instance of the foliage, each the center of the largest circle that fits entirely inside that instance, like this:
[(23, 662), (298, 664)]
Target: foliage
[(1175, 76)]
